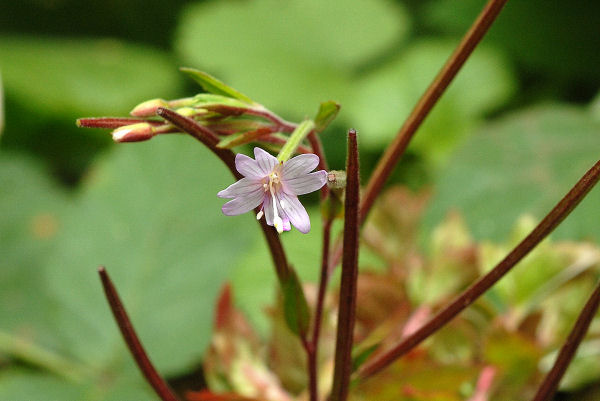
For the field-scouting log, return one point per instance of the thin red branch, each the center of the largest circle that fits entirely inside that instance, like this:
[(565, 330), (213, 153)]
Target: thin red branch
[(133, 343), (396, 149), (567, 352), (208, 138), (545, 227), (317, 149), (433, 93), (347, 301), (112, 122)]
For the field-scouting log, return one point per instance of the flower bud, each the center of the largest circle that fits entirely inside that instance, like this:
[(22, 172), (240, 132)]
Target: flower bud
[(133, 133), (336, 179), (148, 108)]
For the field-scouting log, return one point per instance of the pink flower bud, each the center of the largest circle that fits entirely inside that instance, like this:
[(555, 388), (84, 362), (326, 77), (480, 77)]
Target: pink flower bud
[(148, 108), (133, 133)]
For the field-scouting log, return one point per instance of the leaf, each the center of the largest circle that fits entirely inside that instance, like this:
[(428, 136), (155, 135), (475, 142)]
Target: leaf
[(17, 385), (253, 280), (68, 78), (231, 141), (308, 51), (213, 85), (326, 114), (51, 82), (295, 308), (32, 219), (523, 163), (150, 214), (385, 97)]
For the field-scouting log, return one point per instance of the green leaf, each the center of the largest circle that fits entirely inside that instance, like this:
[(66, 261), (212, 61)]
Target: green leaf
[(69, 78), (254, 281), (523, 163), (328, 111), (385, 97), (231, 141), (295, 308), (213, 85), (17, 385), (33, 207), (150, 214), (307, 52), (296, 137)]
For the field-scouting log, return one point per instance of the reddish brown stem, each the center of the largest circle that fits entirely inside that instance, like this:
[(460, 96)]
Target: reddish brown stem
[(131, 339), (208, 138), (312, 346), (317, 149), (433, 93), (545, 227), (112, 122), (567, 352), (347, 301)]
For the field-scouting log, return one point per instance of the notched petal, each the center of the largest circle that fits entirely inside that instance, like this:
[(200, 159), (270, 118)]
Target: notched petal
[(265, 161), (248, 167)]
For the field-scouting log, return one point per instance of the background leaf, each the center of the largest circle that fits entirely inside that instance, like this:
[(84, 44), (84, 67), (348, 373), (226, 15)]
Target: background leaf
[(522, 163), (51, 82), (290, 57), (150, 214)]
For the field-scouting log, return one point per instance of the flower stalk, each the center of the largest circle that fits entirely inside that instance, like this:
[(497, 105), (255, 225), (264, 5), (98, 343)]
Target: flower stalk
[(134, 344), (426, 103), (567, 352), (209, 139), (348, 285)]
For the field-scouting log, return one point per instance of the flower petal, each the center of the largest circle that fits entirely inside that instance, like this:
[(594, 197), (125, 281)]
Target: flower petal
[(294, 210), (299, 165), (248, 167), (243, 204), (304, 184), (243, 187), (265, 161), (268, 208)]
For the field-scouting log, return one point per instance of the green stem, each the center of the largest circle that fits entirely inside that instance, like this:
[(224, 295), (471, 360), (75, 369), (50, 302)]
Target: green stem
[(301, 131)]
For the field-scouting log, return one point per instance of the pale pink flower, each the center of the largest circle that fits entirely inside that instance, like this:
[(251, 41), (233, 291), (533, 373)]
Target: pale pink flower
[(275, 185)]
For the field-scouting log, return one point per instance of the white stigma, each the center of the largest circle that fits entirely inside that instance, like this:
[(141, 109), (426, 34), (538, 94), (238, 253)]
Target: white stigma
[(277, 222), (259, 215)]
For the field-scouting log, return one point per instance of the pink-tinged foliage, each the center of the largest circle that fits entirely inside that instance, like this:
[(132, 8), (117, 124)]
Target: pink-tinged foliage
[(274, 186)]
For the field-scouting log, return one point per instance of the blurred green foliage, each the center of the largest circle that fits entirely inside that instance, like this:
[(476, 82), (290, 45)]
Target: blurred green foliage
[(510, 136)]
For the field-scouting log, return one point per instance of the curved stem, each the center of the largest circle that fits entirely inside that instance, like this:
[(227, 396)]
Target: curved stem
[(133, 343), (208, 138), (545, 227), (567, 352)]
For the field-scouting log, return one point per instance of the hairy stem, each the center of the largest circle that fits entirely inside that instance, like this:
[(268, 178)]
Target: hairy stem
[(210, 140), (545, 227), (567, 352), (347, 301), (136, 348)]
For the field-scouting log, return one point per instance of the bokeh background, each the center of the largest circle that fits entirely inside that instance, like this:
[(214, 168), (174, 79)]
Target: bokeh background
[(518, 126)]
